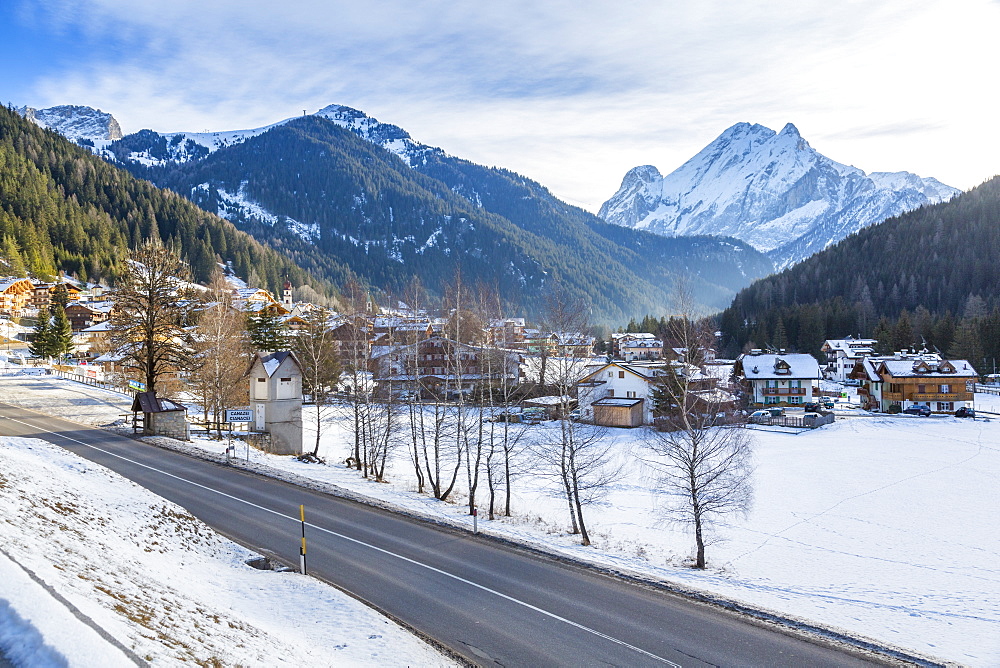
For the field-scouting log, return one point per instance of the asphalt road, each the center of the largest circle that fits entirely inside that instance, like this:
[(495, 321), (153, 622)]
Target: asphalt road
[(492, 604)]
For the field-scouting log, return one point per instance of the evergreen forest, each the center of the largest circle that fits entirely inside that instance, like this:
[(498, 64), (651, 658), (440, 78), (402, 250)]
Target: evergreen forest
[(63, 209), (927, 278)]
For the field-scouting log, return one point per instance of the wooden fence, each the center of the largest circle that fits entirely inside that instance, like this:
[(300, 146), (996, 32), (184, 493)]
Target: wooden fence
[(103, 384), (806, 422)]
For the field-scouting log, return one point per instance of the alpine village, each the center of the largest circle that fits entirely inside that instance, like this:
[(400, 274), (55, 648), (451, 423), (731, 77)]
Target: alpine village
[(765, 384)]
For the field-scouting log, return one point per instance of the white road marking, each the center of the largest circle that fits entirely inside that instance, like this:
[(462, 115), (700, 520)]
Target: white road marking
[(368, 545)]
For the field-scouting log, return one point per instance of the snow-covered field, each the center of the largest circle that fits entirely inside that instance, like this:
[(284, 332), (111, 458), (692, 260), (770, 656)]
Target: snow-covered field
[(158, 582), (886, 527)]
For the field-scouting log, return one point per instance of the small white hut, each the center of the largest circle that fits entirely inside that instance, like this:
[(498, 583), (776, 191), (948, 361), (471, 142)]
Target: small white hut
[(276, 397)]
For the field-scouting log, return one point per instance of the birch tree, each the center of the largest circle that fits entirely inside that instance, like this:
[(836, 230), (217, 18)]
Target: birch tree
[(703, 461), (316, 349), (578, 454)]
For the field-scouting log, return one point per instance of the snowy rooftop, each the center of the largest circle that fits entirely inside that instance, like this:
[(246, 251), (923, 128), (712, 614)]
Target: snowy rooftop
[(928, 368), (616, 401), (769, 366), (625, 336), (96, 307), (850, 344), (99, 327)]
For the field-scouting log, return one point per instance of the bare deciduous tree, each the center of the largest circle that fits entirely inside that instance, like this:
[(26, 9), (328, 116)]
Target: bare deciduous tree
[(699, 454), (221, 355), (579, 454), (708, 469), (580, 458), (316, 349), (153, 307), (500, 371)]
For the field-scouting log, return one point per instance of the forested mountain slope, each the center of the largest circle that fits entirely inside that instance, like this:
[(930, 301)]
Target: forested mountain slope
[(62, 208), (323, 191), (930, 276)]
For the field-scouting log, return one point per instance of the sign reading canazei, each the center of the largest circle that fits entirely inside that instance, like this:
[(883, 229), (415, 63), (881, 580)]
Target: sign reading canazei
[(239, 415)]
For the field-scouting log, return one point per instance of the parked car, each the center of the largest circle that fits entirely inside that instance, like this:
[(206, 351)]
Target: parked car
[(533, 415), (811, 407), (965, 411), (759, 416), (827, 403), (922, 411), (513, 415), (776, 412)]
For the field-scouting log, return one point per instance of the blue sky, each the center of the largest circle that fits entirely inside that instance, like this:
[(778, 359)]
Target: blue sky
[(571, 93)]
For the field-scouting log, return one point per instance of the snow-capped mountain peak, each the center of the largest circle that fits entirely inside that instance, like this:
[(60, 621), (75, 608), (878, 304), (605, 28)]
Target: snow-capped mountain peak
[(75, 122), (772, 190), (390, 137)]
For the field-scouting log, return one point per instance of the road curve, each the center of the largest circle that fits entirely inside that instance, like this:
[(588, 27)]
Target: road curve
[(489, 603)]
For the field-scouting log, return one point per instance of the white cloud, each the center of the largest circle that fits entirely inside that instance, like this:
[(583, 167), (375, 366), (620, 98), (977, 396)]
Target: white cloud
[(570, 93)]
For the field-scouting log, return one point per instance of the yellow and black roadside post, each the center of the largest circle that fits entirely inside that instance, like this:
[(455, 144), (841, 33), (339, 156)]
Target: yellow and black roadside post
[(302, 549)]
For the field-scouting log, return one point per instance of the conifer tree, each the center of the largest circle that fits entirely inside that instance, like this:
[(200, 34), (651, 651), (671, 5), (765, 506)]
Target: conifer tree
[(60, 334), (266, 331), (40, 345)]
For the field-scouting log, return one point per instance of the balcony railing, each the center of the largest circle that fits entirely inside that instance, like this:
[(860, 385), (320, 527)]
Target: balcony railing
[(926, 396), (783, 391), (938, 396)]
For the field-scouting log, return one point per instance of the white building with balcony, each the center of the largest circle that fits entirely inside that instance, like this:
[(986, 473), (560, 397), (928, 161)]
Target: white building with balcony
[(843, 354), (775, 379)]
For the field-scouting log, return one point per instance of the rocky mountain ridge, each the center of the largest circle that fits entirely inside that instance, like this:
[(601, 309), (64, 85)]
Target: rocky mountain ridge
[(769, 189), (77, 123)]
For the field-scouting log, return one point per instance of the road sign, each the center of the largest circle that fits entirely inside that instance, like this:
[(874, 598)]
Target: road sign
[(239, 415)]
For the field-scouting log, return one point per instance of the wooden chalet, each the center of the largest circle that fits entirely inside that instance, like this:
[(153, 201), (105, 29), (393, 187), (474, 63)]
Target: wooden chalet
[(922, 380), (82, 315), (15, 296)]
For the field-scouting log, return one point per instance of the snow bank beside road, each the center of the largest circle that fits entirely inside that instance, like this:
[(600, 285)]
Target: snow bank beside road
[(38, 630), (161, 582)]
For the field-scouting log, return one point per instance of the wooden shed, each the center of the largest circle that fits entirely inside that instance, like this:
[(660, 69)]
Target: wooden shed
[(618, 412)]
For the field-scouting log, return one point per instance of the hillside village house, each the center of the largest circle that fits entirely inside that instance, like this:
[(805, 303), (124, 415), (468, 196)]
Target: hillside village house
[(775, 379), (644, 348), (94, 337), (843, 354), (82, 315), (507, 333), (570, 344), (915, 380), (256, 300), (43, 292), (620, 394), (392, 330), (439, 366), (631, 346), (15, 296)]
